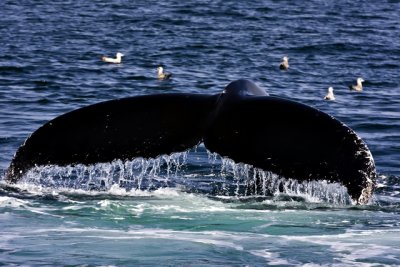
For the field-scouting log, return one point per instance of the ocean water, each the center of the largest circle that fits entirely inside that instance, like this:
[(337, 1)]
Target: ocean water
[(191, 208)]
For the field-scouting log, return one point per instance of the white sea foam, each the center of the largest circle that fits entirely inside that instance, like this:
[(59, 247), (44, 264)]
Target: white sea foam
[(349, 248), (354, 246), (272, 257), (217, 238), (181, 218), (12, 202)]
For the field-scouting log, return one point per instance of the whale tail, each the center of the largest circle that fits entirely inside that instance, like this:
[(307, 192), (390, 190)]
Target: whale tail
[(242, 123)]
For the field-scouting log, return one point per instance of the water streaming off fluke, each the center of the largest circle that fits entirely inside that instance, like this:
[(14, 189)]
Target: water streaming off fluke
[(184, 171)]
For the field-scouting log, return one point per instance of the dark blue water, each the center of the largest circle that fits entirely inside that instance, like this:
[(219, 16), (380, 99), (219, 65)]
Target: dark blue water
[(50, 64)]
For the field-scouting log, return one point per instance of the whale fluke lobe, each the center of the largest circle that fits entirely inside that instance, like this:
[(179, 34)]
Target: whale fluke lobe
[(293, 140), (143, 126), (243, 123)]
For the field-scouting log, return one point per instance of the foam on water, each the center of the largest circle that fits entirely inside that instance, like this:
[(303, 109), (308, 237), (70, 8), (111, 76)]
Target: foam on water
[(350, 248), (355, 245), (12, 202)]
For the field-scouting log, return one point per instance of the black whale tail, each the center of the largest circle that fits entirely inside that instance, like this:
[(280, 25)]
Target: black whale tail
[(242, 123)]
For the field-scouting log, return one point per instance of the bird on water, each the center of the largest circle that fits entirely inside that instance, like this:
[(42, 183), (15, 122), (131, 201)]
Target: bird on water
[(358, 86), (116, 60), (284, 64), (330, 95), (161, 74)]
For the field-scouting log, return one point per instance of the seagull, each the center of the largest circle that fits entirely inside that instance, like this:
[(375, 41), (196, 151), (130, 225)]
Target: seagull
[(116, 60), (284, 64), (358, 86), (163, 75), (330, 95)]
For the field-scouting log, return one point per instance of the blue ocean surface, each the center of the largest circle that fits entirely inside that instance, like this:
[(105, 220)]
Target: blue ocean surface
[(189, 209)]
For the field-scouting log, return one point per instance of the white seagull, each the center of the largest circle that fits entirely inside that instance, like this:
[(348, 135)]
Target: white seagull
[(284, 64), (116, 60), (330, 95), (163, 75), (358, 86)]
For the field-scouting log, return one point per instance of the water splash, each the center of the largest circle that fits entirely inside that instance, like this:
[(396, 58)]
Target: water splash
[(223, 177), (137, 174), (255, 181)]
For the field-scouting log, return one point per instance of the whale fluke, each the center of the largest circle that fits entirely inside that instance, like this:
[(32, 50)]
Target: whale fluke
[(243, 123)]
